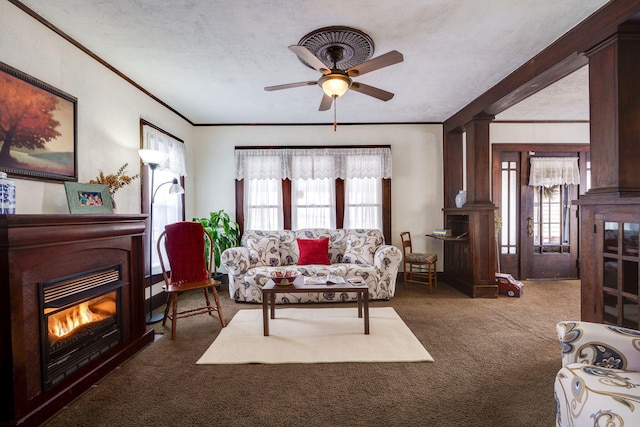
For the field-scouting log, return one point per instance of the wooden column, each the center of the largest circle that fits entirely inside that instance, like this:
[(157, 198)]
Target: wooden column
[(478, 161), (614, 102), (481, 222), (453, 166), (469, 263)]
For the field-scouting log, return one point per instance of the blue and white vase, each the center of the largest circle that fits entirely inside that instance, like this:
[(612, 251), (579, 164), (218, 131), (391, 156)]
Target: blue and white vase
[(7, 195), (461, 198)]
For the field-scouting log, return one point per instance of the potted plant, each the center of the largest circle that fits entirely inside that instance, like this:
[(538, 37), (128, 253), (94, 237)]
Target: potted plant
[(225, 233)]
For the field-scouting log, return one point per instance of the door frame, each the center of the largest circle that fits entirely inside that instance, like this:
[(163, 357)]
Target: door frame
[(520, 265)]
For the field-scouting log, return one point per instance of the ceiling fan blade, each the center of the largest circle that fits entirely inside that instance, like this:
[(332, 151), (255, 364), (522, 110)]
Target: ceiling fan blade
[(376, 63), (326, 102), (307, 56), (382, 95), (290, 85)]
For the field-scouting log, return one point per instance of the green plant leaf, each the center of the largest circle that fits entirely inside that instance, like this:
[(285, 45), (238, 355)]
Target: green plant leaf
[(225, 233)]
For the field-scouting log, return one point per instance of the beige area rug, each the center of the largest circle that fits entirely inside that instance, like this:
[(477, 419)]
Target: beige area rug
[(316, 335)]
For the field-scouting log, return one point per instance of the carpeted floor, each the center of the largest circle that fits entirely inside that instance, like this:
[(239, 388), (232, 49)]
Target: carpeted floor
[(495, 363)]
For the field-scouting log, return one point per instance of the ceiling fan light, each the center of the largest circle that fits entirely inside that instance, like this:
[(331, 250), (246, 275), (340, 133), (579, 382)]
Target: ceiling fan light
[(336, 86)]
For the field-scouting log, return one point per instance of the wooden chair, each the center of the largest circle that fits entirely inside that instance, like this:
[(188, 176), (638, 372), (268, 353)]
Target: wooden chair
[(184, 243), (418, 267)]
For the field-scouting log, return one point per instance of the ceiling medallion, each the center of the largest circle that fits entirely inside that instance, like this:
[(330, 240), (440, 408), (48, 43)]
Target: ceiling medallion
[(339, 54), (356, 46)]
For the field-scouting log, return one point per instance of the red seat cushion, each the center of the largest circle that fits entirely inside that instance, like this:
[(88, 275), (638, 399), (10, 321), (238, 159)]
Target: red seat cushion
[(314, 251)]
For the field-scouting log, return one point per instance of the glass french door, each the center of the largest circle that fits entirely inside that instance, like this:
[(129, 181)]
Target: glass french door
[(550, 241), (536, 227)]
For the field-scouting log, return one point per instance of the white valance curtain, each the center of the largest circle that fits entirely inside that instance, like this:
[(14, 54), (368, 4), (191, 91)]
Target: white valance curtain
[(153, 139), (301, 163), (551, 171)]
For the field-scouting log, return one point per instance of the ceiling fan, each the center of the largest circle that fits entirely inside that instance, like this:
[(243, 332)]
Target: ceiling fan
[(339, 45)]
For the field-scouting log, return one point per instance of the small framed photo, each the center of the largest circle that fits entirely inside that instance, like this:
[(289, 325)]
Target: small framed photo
[(88, 198)]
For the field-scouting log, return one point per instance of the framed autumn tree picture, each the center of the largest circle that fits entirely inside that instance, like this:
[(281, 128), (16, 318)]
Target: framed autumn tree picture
[(37, 128)]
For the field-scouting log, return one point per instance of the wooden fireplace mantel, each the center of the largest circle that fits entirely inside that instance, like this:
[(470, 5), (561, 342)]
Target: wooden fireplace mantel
[(38, 248)]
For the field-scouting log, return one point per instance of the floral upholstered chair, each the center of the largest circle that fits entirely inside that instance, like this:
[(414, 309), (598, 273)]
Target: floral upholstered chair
[(599, 383)]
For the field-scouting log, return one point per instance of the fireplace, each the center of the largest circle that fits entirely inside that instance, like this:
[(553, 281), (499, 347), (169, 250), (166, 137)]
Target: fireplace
[(72, 307), (80, 320)]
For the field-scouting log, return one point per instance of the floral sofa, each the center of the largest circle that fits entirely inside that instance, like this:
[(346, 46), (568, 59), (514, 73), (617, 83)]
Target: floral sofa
[(350, 252), (599, 383)]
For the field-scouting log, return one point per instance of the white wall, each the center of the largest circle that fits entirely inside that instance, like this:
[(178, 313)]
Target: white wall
[(109, 110), (539, 133), (416, 186)]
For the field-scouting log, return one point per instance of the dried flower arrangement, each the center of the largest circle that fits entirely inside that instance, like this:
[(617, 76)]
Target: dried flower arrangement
[(114, 181)]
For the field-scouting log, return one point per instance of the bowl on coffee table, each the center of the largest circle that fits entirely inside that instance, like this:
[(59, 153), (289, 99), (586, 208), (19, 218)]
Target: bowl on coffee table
[(284, 277)]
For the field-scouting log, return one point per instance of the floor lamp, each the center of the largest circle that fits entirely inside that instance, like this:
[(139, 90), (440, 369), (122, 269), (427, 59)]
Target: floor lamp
[(153, 159)]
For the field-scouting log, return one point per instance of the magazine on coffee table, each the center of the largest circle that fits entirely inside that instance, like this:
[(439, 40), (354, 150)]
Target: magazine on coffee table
[(315, 280), (329, 279), (335, 280)]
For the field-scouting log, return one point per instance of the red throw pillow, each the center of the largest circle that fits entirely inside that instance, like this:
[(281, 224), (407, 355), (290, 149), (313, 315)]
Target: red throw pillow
[(314, 251)]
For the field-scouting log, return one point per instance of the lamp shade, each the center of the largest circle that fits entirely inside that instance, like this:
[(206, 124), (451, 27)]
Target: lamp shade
[(335, 85), (176, 188), (152, 157)]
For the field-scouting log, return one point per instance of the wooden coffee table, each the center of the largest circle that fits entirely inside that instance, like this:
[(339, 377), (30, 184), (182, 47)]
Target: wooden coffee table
[(270, 290)]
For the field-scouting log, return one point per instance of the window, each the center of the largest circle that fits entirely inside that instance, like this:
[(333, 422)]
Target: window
[(588, 172), (551, 222), (295, 188), (263, 195), (509, 207), (363, 191), (363, 203), (167, 208), (313, 199), (313, 203), (263, 205), (550, 177)]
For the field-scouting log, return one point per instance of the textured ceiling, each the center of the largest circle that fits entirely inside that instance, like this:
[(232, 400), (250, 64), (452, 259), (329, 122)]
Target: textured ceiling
[(567, 99), (210, 59)]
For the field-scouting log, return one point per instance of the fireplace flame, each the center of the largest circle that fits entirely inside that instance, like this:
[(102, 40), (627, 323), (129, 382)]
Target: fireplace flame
[(65, 322)]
